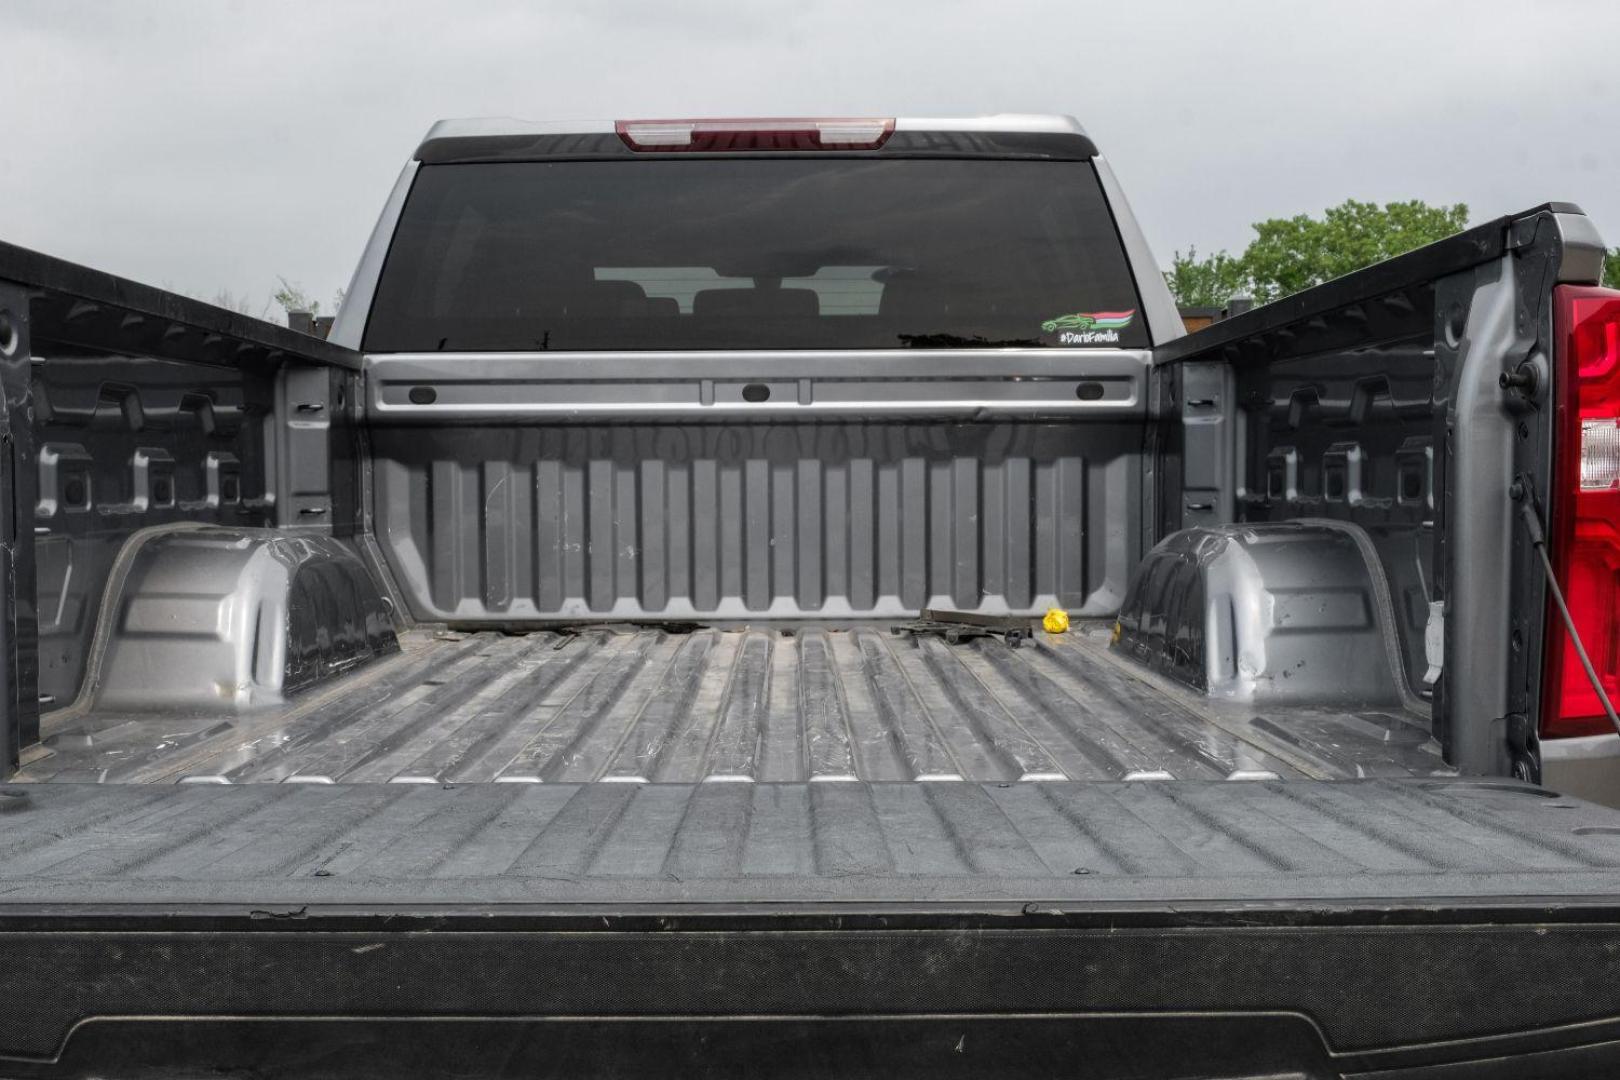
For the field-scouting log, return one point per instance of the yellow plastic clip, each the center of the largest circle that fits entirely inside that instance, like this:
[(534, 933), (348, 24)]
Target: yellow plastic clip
[(1056, 621)]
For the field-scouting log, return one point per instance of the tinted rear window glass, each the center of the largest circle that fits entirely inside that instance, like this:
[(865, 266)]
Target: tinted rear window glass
[(790, 253)]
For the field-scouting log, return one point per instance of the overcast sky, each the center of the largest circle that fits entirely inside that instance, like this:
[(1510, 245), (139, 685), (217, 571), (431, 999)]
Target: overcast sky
[(215, 145)]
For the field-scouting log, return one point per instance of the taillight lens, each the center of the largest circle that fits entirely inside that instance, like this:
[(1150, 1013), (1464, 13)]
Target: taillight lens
[(710, 136), (1584, 516)]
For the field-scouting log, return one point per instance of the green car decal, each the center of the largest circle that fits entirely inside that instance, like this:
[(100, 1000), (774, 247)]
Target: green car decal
[(1069, 322), (1090, 320)]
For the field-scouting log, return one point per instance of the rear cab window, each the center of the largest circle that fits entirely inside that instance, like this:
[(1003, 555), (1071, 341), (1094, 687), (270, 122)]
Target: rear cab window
[(790, 252)]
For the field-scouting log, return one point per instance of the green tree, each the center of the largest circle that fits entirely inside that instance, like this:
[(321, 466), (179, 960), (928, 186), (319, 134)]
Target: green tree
[(1611, 270), (292, 297), (1209, 281), (1291, 254)]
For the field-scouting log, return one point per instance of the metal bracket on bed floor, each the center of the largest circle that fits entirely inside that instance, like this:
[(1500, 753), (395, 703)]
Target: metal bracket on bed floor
[(959, 626)]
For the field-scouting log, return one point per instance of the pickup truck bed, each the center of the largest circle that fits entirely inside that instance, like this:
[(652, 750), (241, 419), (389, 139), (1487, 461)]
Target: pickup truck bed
[(647, 705), (319, 659)]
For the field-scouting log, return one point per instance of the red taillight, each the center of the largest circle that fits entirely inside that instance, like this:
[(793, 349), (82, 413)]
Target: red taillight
[(1584, 518), (699, 136)]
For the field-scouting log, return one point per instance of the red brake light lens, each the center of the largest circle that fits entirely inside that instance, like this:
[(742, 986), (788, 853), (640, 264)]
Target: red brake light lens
[(718, 136), (1584, 516)]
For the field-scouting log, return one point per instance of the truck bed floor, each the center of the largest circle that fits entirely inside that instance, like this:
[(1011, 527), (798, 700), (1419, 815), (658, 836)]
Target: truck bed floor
[(646, 705), (739, 843)]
